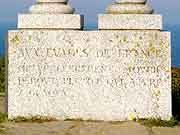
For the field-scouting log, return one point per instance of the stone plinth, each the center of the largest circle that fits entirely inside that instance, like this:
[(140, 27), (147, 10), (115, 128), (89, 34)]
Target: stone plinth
[(50, 21), (130, 15), (130, 21), (51, 14), (93, 75)]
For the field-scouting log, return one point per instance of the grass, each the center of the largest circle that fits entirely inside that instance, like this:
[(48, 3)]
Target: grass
[(3, 117), (145, 122), (36, 119), (73, 119), (2, 74), (159, 123), (2, 94), (81, 120)]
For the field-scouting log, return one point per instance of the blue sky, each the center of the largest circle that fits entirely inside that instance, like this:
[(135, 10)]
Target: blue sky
[(90, 8)]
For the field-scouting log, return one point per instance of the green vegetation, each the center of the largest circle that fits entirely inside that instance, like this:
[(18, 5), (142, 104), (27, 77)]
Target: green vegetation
[(146, 122), (3, 117), (79, 120), (37, 119), (159, 123), (176, 92), (2, 75)]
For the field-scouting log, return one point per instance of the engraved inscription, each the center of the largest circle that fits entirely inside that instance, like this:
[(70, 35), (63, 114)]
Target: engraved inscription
[(114, 76)]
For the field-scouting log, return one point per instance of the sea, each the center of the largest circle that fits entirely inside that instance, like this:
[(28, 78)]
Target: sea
[(174, 29)]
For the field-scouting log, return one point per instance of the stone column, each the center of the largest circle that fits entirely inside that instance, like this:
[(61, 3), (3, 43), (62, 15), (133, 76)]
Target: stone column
[(130, 14), (50, 14)]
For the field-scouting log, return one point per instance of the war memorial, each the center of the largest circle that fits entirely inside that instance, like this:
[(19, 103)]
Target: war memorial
[(56, 69)]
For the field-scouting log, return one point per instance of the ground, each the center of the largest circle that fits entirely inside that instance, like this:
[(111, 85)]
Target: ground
[(78, 127)]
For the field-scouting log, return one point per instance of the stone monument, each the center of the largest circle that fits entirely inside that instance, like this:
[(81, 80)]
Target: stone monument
[(120, 71)]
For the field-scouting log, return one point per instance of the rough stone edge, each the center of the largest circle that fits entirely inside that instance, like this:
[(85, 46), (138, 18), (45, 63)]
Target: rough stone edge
[(170, 63), (169, 115), (126, 22), (50, 21)]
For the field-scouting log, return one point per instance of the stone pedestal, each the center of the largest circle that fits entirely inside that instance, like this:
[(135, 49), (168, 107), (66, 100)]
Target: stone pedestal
[(50, 21), (112, 74), (91, 75), (130, 22), (51, 14), (130, 15)]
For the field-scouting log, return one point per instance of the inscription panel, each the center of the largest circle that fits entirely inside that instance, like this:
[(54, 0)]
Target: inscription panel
[(97, 75)]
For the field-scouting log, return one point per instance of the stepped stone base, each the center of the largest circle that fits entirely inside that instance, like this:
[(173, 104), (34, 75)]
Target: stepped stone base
[(92, 75), (50, 21), (130, 21)]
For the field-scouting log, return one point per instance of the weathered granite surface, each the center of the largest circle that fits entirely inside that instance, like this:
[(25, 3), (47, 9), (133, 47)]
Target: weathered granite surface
[(50, 21), (131, 15), (97, 75), (52, 8), (130, 7), (130, 21), (51, 14), (130, 1), (52, 1)]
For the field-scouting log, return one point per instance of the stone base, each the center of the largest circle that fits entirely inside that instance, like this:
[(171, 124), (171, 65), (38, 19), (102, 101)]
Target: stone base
[(130, 21), (89, 75), (50, 21)]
